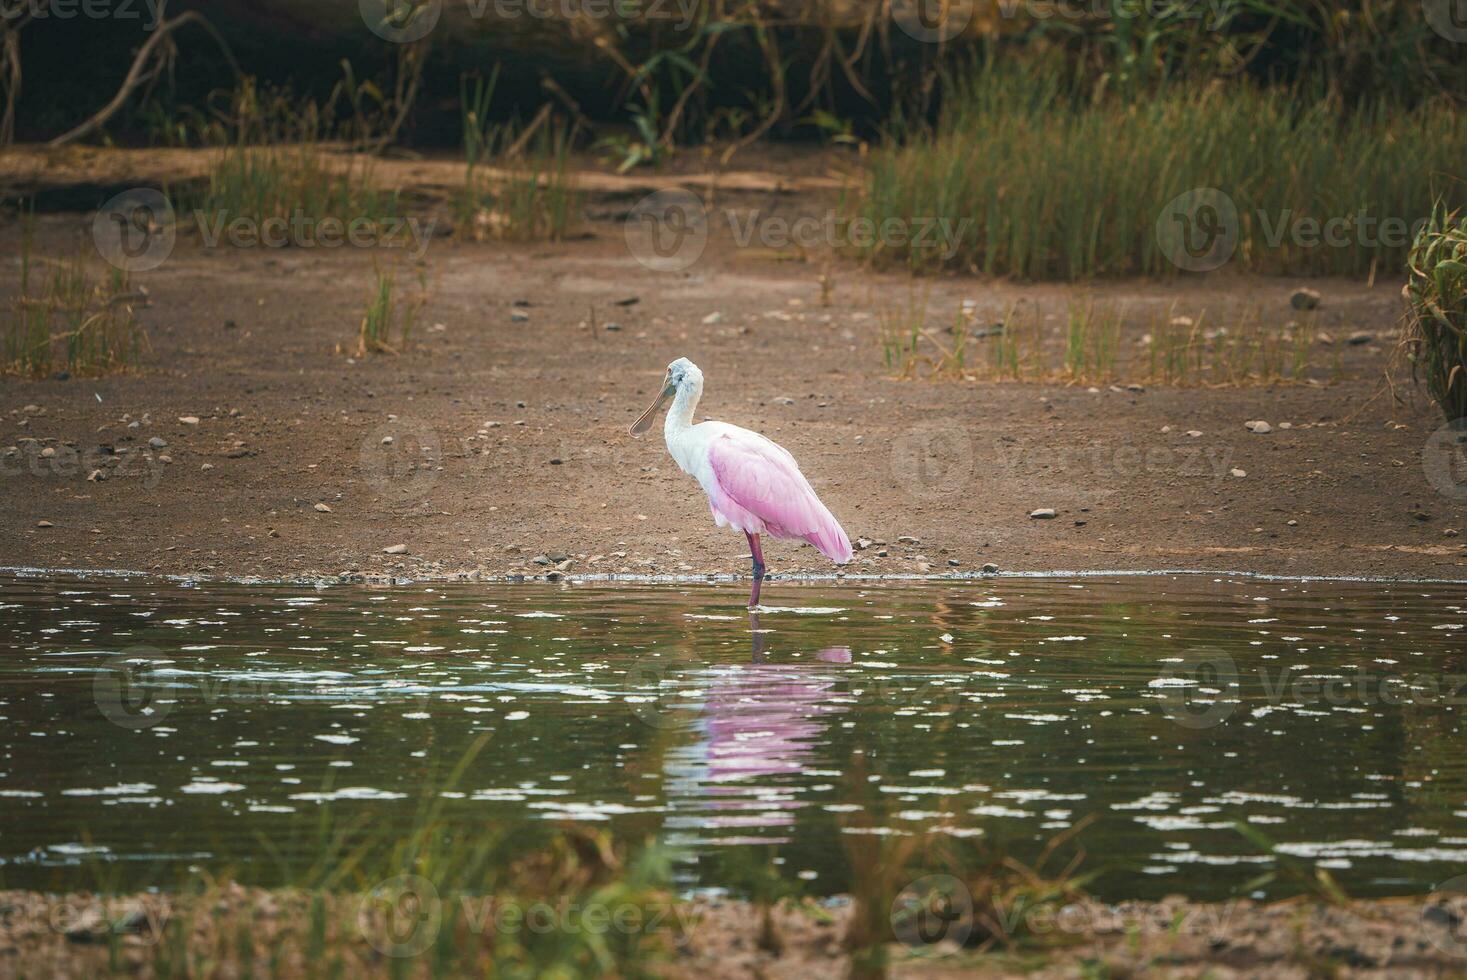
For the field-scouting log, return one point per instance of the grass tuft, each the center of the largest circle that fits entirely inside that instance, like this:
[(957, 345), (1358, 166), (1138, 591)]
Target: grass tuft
[(63, 320), (1436, 340)]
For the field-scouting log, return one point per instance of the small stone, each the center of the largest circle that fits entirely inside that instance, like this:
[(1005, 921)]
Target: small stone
[(387, 440), (989, 568), (189, 419), (863, 543), (1422, 516), (953, 563), (1258, 428), (1305, 299), (563, 566), (323, 508), (1359, 338), (712, 318), (1324, 338), (1237, 473), (44, 524), (158, 443), (96, 476), (1135, 388), (395, 549), (612, 327), (1043, 514), (1195, 433), (519, 316), (1286, 425), (1292, 523), (541, 560), (48, 453), (207, 467), (908, 539), (882, 553), (1450, 532)]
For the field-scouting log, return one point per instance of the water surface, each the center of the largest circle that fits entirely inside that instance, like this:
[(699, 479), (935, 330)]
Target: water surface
[(147, 728)]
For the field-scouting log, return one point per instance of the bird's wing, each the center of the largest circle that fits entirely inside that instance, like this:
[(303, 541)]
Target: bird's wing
[(754, 476)]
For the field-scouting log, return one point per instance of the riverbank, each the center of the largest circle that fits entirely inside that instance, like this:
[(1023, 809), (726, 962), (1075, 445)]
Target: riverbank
[(236, 929), (252, 442)]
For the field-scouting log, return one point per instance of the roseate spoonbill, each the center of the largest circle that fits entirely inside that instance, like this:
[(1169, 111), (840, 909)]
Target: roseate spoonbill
[(752, 484)]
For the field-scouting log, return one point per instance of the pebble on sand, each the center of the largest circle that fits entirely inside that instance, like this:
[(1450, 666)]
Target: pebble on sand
[(1258, 427), (1043, 514), (1305, 299), (395, 549), (323, 508), (1237, 473)]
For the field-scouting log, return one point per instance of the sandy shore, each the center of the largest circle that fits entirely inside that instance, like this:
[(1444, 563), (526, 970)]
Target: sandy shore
[(498, 445)]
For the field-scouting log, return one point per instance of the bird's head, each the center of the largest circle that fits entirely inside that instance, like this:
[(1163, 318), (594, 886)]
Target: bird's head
[(681, 374)]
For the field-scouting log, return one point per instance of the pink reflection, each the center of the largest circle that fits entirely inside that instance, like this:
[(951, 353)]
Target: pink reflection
[(761, 724)]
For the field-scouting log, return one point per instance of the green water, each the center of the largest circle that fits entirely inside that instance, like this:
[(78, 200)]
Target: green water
[(147, 728)]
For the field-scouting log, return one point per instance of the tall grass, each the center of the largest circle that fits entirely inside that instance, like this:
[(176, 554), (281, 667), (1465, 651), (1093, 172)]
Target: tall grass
[(530, 195), (1060, 184), (1437, 292), (278, 165), (62, 319)]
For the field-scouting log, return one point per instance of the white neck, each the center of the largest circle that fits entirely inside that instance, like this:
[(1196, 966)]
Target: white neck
[(680, 417)]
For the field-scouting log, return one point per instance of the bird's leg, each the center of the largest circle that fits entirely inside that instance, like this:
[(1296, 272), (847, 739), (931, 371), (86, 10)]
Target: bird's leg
[(758, 555)]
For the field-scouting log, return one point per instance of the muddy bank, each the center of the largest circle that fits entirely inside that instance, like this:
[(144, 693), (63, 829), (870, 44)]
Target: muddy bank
[(79, 935), (252, 444)]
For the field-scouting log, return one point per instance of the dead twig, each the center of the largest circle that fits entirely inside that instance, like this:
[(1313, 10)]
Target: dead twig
[(138, 74)]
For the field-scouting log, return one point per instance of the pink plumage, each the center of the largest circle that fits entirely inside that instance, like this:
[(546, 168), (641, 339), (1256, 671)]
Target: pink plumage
[(752, 484), (760, 490)]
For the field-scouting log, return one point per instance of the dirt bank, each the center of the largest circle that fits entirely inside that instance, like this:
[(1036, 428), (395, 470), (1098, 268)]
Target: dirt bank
[(81, 935), (501, 437)]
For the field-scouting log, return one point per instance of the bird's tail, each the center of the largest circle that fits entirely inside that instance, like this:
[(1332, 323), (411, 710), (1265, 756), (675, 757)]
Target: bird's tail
[(829, 538)]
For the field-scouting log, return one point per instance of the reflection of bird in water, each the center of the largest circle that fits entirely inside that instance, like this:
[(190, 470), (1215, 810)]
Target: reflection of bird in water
[(760, 724)]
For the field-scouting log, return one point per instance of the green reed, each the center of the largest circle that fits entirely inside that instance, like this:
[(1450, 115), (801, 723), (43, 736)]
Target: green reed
[(1061, 185), (1436, 339)]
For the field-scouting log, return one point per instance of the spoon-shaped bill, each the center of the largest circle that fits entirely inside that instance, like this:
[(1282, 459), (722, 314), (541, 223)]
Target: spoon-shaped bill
[(644, 423)]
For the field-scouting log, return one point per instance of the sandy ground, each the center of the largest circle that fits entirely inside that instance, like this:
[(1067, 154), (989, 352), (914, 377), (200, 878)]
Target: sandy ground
[(501, 437), (80, 935)]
